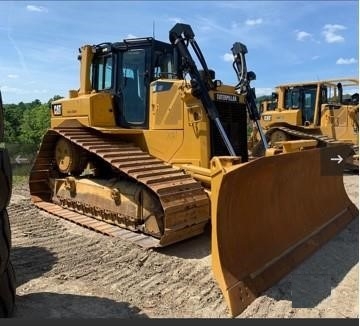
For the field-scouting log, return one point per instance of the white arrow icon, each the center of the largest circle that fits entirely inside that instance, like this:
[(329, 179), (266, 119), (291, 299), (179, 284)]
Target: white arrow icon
[(338, 158), (20, 159)]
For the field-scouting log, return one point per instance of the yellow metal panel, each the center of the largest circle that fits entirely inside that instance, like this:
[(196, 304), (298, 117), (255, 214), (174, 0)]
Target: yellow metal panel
[(93, 109), (77, 106), (292, 117), (102, 111), (179, 127), (196, 131), (176, 146), (166, 107), (337, 123), (120, 131), (74, 122), (163, 144), (298, 145)]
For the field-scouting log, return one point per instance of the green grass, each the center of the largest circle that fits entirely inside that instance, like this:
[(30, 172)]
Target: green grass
[(21, 173)]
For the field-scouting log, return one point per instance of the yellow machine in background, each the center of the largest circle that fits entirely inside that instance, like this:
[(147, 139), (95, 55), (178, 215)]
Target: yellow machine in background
[(326, 111), (152, 149)]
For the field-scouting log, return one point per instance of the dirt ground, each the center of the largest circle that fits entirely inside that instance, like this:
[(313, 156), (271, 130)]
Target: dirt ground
[(64, 270)]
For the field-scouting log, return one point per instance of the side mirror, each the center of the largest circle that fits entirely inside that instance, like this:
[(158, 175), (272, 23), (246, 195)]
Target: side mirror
[(274, 96), (251, 76)]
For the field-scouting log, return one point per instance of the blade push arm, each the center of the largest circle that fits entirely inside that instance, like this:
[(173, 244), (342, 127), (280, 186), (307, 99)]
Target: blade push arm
[(180, 36), (244, 77)]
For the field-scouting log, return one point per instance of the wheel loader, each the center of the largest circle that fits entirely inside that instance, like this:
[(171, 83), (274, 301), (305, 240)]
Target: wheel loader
[(325, 110), (153, 149), (7, 275)]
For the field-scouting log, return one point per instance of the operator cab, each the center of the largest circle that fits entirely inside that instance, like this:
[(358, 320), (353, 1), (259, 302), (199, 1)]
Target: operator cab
[(303, 98), (126, 69)]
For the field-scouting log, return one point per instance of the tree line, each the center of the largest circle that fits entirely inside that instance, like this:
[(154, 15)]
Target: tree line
[(26, 123)]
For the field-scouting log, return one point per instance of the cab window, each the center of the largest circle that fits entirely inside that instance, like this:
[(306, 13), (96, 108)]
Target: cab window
[(164, 65), (134, 87), (102, 73), (292, 99)]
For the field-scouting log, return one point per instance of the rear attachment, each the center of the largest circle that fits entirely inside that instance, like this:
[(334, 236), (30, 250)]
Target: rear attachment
[(269, 215), (135, 191)]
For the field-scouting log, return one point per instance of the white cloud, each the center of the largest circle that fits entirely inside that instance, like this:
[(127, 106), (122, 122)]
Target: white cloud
[(252, 22), (131, 36), (36, 8), (302, 36), (8, 89), (175, 20), (331, 33), (342, 61), (228, 57), (13, 76)]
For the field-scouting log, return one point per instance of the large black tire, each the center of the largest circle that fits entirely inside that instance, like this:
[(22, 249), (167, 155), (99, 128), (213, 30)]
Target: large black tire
[(5, 178), (5, 240), (7, 292), (7, 275)]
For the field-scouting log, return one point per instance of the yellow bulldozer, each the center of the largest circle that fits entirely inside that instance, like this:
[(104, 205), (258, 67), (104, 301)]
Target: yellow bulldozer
[(152, 149), (326, 111)]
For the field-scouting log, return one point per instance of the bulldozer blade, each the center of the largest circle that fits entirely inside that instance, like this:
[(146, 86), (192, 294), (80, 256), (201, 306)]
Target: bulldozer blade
[(270, 214)]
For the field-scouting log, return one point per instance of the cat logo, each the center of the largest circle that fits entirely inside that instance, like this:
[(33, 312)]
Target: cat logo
[(57, 109), (226, 98)]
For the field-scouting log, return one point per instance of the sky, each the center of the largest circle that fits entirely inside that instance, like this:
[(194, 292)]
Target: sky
[(287, 41)]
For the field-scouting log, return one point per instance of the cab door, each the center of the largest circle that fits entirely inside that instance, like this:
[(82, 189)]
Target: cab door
[(134, 88)]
